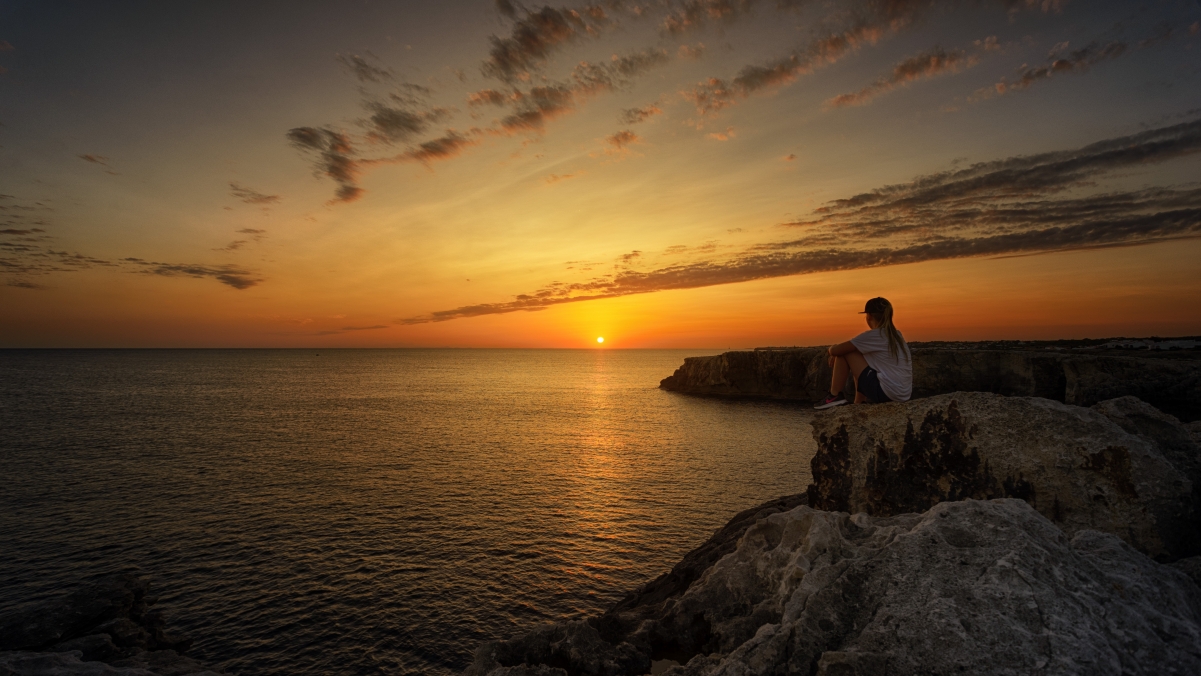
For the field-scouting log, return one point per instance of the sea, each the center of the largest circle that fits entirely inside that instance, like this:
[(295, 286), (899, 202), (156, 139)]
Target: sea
[(370, 511)]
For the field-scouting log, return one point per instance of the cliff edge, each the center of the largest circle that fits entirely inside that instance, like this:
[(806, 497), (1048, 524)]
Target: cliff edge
[(1078, 376)]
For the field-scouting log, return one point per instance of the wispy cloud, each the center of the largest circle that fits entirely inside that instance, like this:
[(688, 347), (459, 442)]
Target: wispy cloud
[(636, 115), (363, 70), (100, 160), (1076, 61), (536, 35), (692, 15), (1014, 206), (249, 195), (928, 64), (333, 158)]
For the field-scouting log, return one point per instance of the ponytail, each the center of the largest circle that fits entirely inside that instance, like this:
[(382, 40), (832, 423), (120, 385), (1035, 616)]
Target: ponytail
[(896, 342)]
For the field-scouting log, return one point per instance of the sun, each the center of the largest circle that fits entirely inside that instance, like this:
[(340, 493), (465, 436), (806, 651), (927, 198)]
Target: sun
[(600, 339)]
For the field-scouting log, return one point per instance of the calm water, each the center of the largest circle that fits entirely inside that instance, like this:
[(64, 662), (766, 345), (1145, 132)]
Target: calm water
[(362, 512)]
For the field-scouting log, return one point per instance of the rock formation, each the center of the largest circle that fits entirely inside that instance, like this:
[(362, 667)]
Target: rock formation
[(1076, 466), (1073, 377), (107, 627), (979, 587)]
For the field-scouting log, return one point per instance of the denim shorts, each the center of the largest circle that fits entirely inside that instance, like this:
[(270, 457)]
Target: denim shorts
[(869, 386)]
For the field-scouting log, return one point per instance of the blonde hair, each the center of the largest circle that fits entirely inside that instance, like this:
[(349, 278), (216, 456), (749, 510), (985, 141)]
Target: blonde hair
[(896, 342)]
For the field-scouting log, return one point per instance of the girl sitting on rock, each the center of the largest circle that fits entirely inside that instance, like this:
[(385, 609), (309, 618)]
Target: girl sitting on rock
[(879, 358)]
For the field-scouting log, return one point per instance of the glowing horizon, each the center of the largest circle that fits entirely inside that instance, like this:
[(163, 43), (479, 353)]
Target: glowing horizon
[(692, 173)]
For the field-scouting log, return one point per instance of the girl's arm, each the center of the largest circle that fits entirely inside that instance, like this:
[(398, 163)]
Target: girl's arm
[(842, 348)]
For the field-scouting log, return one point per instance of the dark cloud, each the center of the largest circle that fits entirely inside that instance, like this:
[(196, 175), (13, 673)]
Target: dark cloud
[(226, 274), (344, 329), (1014, 206), (535, 36), (389, 124), (715, 94), (250, 196), (100, 160), (6, 46), (1077, 61), (334, 158), (362, 70), (927, 64), (543, 103), (539, 105), (441, 148), (694, 14), (636, 115), (489, 97), (622, 139)]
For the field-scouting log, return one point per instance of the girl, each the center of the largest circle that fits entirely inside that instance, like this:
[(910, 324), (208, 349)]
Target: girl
[(879, 358)]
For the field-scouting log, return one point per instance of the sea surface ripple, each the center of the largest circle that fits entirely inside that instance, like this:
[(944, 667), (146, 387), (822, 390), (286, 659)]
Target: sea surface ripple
[(370, 511)]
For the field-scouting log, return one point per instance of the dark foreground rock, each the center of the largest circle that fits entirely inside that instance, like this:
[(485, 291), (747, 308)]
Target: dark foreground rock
[(107, 627), (979, 587), (1073, 377), (1122, 468)]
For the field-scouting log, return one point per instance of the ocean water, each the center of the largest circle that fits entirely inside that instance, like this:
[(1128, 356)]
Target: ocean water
[(370, 511)]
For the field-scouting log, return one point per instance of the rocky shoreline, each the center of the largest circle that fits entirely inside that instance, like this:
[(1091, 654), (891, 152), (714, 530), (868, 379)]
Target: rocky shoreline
[(106, 628), (983, 532)]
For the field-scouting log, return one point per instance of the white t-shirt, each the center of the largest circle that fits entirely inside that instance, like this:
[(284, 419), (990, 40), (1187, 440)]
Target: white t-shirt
[(896, 373)]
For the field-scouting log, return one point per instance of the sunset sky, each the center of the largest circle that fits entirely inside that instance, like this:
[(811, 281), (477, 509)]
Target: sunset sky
[(695, 173)]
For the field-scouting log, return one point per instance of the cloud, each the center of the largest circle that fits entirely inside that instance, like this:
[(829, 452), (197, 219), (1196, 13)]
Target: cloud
[(389, 124), (791, 157), (636, 115), (101, 160), (722, 135), (6, 46), (1013, 206), (250, 196), (691, 52), (1078, 61), (362, 70), (539, 105), (695, 14), (226, 274), (535, 36), (925, 65), (555, 178), (440, 148), (622, 139), (488, 97), (333, 158), (715, 94)]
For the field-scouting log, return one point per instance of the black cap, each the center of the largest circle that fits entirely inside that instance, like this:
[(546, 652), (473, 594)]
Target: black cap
[(875, 306)]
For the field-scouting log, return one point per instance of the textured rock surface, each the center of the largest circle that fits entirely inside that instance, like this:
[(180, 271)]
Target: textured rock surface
[(1074, 465), (802, 374), (979, 587), (70, 664), (109, 621)]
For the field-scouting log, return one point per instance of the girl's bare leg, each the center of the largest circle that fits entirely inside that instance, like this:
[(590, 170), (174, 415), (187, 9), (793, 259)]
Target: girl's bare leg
[(855, 364), (839, 381)]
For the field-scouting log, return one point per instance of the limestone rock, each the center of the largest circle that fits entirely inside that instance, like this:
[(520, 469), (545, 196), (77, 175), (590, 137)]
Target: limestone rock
[(1074, 465), (94, 647), (1190, 566), (110, 620), (982, 587), (802, 374)]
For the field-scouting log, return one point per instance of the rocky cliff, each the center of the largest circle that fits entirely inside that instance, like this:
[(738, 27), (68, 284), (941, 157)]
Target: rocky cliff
[(1077, 466), (106, 628), (964, 533), (1077, 377), (979, 587)]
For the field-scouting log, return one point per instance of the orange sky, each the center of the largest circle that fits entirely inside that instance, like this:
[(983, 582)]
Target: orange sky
[(664, 175)]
